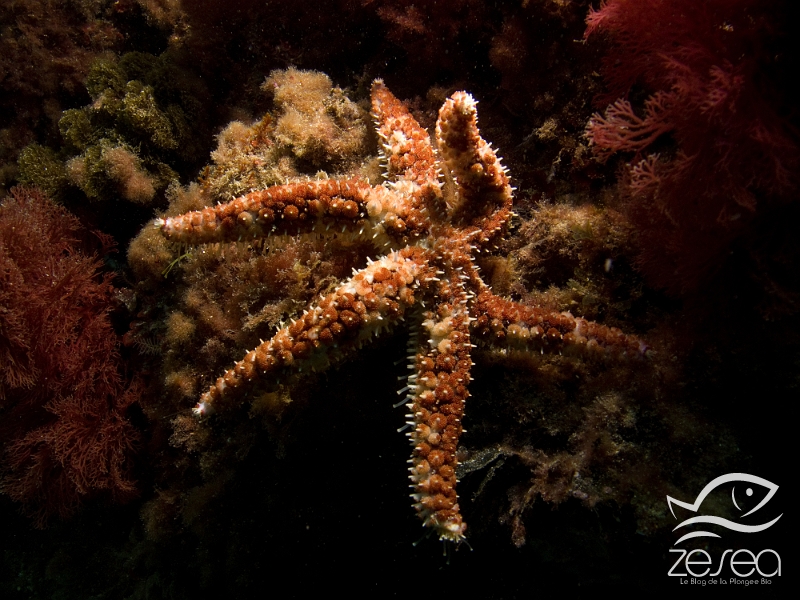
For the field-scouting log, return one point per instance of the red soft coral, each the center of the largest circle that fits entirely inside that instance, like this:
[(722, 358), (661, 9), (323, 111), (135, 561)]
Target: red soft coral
[(63, 430), (712, 147)]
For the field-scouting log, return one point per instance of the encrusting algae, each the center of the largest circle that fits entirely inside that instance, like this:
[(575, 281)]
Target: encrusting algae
[(315, 128), (127, 142)]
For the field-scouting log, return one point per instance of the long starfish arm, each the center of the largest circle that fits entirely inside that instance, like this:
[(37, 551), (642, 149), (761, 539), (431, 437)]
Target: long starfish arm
[(436, 402), (484, 192), (280, 210), (375, 298), (502, 322)]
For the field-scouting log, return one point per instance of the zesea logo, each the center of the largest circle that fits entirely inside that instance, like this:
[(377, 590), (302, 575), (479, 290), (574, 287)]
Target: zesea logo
[(749, 494), (743, 478)]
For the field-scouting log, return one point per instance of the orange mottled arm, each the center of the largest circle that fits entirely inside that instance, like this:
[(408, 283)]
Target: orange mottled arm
[(482, 182), (436, 404), (502, 321), (375, 298), (280, 210), (406, 145)]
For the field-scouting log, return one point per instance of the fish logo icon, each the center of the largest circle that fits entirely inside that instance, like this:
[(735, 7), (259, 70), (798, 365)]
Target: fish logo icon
[(738, 478)]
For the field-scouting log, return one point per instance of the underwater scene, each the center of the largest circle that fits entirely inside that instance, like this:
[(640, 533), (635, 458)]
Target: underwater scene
[(497, 297)]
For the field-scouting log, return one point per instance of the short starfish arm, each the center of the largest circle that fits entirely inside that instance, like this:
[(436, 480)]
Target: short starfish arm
[(373, 299), (502, 322), (485, 194), (411, 168), (407, 146), (282, 209), (438, 392)]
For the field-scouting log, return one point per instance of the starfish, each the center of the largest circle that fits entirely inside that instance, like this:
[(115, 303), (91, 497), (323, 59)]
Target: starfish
[(436, 210)]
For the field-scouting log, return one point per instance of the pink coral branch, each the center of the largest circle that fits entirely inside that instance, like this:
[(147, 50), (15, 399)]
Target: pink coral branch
[(596, 18), (622, 130), (644, 176)]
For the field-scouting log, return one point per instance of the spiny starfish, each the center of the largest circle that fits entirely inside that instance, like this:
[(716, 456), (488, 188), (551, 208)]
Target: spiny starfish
[(434, 212)]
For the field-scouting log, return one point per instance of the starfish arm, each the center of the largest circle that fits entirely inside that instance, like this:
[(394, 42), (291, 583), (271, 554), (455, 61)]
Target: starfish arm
[(438, 392), (280, 210), (484, 192), (406, 145), (412, 170), (375, 298), (502, 322)]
